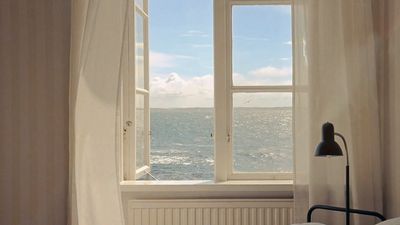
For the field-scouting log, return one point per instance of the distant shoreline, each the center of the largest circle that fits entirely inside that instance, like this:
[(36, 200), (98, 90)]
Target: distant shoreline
[(285, 107)]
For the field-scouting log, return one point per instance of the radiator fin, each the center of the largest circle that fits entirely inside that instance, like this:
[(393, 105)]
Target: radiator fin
[(211, 212)]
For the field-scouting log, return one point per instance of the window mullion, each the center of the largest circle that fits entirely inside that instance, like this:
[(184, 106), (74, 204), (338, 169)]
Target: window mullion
[(146, 85), (221, 34), (229, 93)]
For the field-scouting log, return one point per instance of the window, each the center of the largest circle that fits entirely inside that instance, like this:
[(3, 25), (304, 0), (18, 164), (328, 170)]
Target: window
[(135, 105), (260, 92), (176, 126)]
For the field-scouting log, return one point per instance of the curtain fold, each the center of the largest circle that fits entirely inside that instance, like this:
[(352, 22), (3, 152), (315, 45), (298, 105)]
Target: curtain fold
[(96, 46), (336, 80), (391, 114)]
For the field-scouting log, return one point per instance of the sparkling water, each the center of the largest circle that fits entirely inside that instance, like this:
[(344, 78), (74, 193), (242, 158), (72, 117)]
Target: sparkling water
[(182, 144)]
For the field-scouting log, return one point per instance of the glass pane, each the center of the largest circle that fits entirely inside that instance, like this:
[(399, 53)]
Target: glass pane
[(181, 144), (139, 51), (262, 132), (181, 89), (262, 45), (140, 131)]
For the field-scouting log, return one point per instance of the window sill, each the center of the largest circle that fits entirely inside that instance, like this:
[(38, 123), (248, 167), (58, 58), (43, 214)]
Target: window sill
[(209, 189)]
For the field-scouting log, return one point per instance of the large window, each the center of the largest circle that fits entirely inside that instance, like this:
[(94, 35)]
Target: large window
[(204, 104)]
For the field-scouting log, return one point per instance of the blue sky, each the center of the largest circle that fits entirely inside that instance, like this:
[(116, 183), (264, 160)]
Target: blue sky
[(181, 50)]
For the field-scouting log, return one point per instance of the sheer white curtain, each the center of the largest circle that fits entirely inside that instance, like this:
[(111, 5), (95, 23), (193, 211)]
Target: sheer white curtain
[(391, 99), (336, 81), (96, 45)]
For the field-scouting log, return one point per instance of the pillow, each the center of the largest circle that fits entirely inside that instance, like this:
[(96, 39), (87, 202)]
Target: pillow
[(394, 221)]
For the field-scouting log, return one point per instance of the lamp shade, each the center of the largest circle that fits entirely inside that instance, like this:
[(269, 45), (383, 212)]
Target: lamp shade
[(328, 146)]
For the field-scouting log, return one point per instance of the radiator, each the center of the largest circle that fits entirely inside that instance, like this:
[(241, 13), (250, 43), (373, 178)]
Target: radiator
[(210, 212)]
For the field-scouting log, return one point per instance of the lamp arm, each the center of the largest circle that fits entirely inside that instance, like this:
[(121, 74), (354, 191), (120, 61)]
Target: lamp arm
[(345, 147)]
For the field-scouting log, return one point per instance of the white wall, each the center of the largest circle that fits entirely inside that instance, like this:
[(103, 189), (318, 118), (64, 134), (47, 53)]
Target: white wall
[(34, 77)]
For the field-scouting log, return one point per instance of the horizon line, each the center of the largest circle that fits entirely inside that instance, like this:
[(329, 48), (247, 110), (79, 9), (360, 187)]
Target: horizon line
[(214, 107)]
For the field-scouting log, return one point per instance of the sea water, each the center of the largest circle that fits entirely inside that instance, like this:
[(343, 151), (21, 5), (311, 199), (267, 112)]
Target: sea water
[(182, 142)]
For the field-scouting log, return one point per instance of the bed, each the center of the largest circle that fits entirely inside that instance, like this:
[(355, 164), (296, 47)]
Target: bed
[(394, 221)]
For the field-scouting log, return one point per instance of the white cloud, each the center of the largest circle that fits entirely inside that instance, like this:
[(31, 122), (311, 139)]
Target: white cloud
[(174, 91), (194, 33), (201, 45), (165, 60), (262, 100), (239, 79), (272, 72), (284, 59), (268, 75), (246, 38), (287, 42)]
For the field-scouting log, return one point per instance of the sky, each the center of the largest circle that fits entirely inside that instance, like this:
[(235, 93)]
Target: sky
[(181, 53)]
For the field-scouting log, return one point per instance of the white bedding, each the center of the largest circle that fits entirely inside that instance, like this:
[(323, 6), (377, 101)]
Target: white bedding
[(394, 221)]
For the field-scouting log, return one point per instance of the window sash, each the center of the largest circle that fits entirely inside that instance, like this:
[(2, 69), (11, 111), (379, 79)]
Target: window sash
[(130, 91), (224, 64)]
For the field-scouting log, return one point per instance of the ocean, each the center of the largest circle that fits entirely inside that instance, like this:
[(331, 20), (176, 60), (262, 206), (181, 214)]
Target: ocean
[(182, 145)]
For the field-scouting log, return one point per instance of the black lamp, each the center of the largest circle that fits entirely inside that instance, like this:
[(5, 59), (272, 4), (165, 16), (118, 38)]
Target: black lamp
[(329, 147)]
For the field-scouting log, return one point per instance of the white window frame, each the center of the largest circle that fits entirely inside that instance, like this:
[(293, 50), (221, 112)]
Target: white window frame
[(130, 91), (223, 92)]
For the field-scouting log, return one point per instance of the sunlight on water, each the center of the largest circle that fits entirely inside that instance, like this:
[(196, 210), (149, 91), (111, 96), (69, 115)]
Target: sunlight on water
[(182, 147)]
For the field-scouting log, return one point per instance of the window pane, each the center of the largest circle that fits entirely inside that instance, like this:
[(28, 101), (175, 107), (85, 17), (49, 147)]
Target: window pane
[(139, 50), (262, 45), (181, 89), (140, 131), (262, 132), (182, 146)]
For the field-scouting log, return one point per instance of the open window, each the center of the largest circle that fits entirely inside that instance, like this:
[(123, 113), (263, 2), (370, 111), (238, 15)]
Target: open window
[(136, 93), (208, 92)]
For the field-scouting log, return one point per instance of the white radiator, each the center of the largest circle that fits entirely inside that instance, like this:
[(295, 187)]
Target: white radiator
[(210, 212)]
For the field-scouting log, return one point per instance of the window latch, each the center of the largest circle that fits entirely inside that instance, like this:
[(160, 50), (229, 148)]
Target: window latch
[(128, 124)]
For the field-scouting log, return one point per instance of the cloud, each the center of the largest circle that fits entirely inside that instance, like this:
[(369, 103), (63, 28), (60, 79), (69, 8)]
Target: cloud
[(262, 100), (272, 72), (194, 33), (165, 60), (246, 38), (284, 59), (173, 91), (287, 42), (268, 75), (201, 45)]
